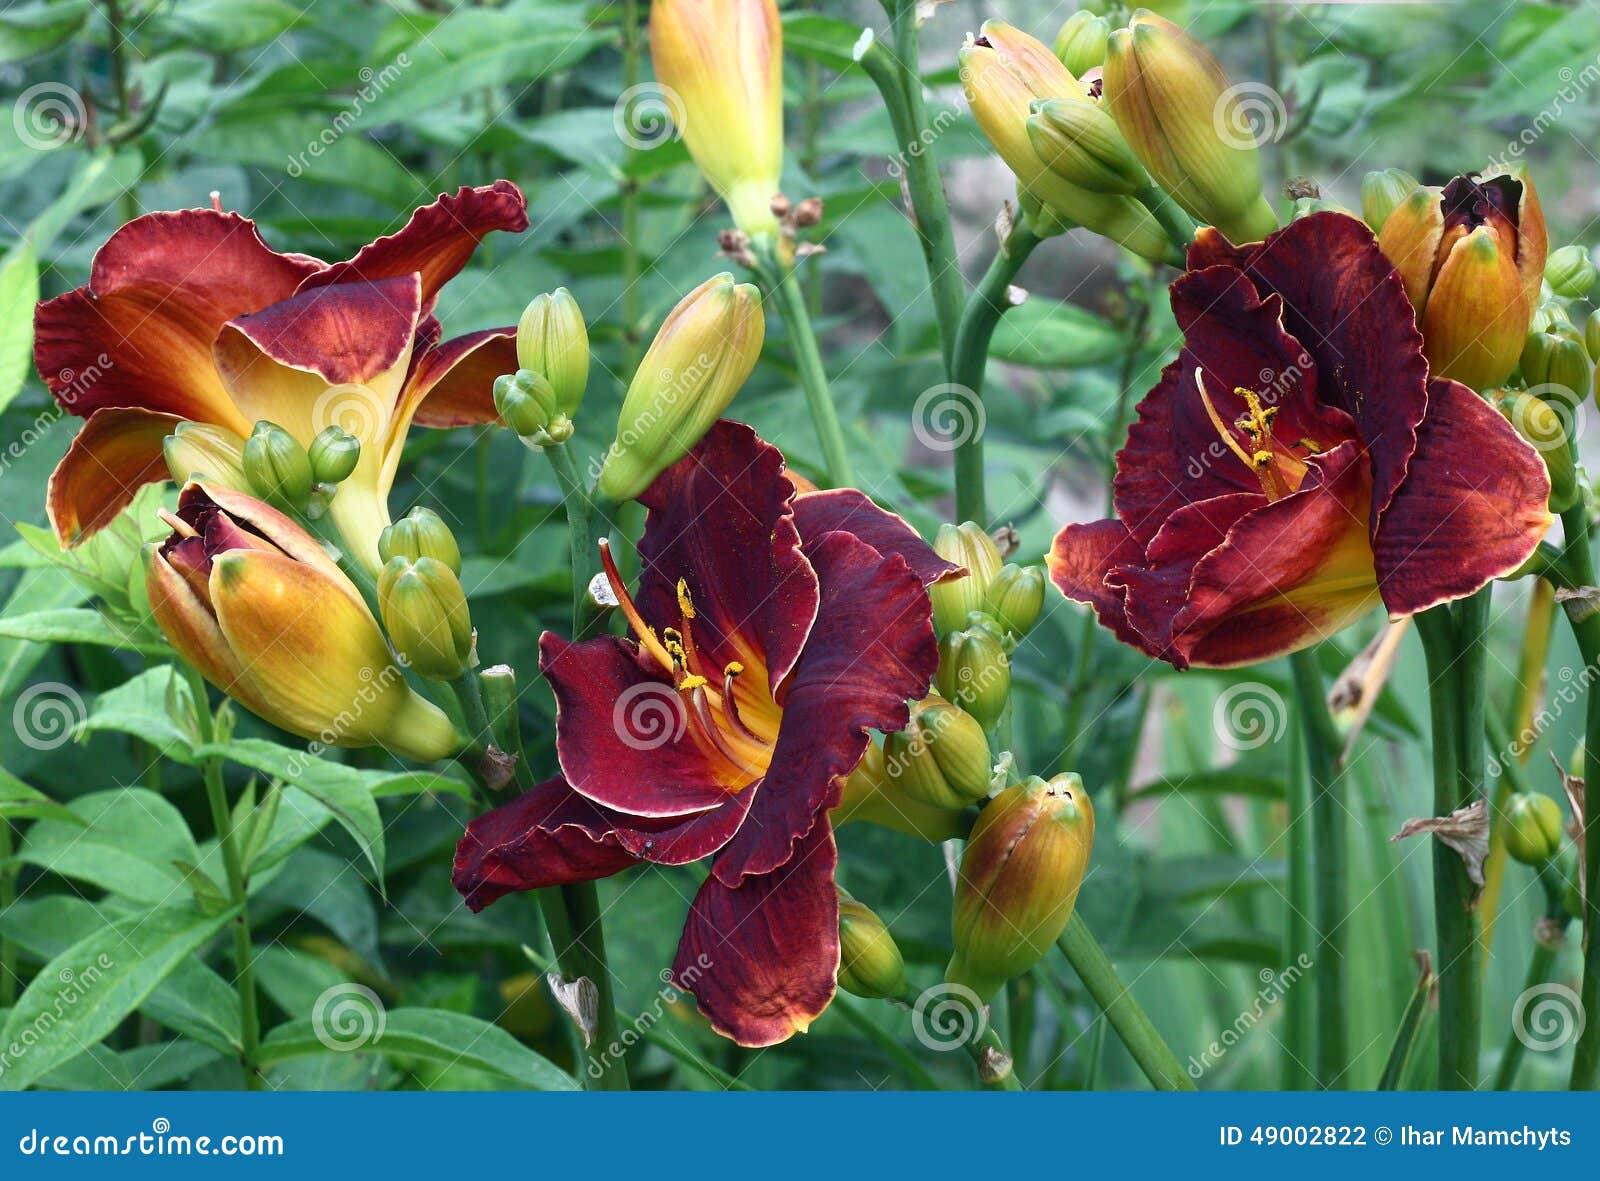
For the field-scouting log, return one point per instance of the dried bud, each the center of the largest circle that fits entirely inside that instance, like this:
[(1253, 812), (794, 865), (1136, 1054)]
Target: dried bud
[(808, 213), (870, 964), (1019, 880)]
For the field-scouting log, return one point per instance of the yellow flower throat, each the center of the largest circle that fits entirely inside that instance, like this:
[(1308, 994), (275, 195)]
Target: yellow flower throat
[(1278, 468)]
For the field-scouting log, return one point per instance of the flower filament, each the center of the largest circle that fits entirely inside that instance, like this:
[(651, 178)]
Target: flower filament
[(1278, 471)]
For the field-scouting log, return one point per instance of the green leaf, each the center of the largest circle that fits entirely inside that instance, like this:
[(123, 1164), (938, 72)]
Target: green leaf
[(434, 1035), (304, 147), (148, 706), (125, 840), (1228, 781), (344, 791), (36, 589), (826, 39), (226, 26), (96, 1069), (19, 293), (78, 625), (1047, 334), (27, 30), (1549, 72), (83, 994), (18, 801)]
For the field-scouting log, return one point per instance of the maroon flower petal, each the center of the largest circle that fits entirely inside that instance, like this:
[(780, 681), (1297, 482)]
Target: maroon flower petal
[(872, 647), (850, 511), (437, 241), (452, 384), (720, 520), (1345, 302), (117, 452), (159, 291), (350, 333), (762, 958), (623, 734), (1080, 561), (552, 836), (1471, 509)]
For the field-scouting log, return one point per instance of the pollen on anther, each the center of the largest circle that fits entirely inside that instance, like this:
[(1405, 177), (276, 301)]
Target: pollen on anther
[(685, 602)]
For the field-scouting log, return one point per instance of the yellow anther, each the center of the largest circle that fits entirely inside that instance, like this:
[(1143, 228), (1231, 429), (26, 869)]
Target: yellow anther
[(1311, 445), (1216, 419), (692, 681), (733, 669), (1262, 458), (685, 603)]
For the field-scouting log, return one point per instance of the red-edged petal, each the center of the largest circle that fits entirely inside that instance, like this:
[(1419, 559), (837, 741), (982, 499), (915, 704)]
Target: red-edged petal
[(117, 452), (437, 241), (553, 836), (1344, 301), (849, 511), (452, 384), (762, 958), (872, 647), (1471, 509), (721, 520), (623, 733), (159, 291), (350, 333), (1081, 559)]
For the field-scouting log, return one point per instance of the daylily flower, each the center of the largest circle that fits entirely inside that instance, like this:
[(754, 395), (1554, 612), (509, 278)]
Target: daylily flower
[(1295, 466), (189, 316), (771, 631), (252, 601)]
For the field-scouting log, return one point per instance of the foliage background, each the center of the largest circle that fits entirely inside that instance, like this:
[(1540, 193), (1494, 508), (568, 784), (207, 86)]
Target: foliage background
[(327, 122)]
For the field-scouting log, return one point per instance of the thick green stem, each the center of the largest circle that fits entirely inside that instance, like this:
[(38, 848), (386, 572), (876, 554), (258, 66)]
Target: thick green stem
[(1586, 630), (1452, 644), (588, 520), (1128, 1018), (630, 195), (808, 359), (1179, 225), (238, 888), (1300, 933), (585, 955), (1547, 940), (983, 311), (1331, 846)]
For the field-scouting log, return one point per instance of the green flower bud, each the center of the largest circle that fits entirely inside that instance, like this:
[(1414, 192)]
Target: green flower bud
[(421, 533), (1381, 192), (1575, 766), (869, 794), (1081, 144), (941, 757), (276, 467), (526, 401), (1306, 206), (1081, 43), (1016, 597), (975, 673), (984, 622), (1533, 828), (425, 613), (198, 450), (334, 454), (1541, 424), (870, 964), (1019, 880), (1556, 366), (1548, 316), (967, 546), (553, 342), (1570, 272)]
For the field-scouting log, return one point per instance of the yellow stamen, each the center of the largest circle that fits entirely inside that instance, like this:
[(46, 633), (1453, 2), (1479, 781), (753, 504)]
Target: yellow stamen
[(1257, 424), (645, 634), (692, 681), (1216, 421), (685, 602), (730, 704), (713, 732)]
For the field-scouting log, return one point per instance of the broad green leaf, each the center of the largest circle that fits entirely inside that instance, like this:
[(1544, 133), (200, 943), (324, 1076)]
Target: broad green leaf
[(148, 706), (344, 791), (78, 625), (322, 886), (1545, 71), (96, 1069), (304, 147), (295, 979), (19, 293), (1047, 334), (18, 801), (826, 39), (226, 26), (126, 841), (27, 30), (83, 994), (1225, 782), (167, 1064), (434, 1035), (36, 590)]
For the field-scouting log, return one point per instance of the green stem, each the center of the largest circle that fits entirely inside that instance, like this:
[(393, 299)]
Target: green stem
[(1586, 630), (631, 268), (922, 1079), (983, 311), (1449, 649), (585, 955), (1300, 932), (1179, 225), (1331, 857), (1128, 1018), (587, 521), (1405, 1038), (238, 888), (1547, 941), (499, 686), (8, 899), (808, 359)]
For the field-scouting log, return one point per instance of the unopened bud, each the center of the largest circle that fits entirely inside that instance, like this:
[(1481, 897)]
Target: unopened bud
[(276, 466), (975, 673), (527, 402), (1556, 366), (870, 964), (1533, 828), (1019, 880), (1381, 192), (1081, 43), (968, 546), (868, 794), (1540, 424), (1081, 144), (198, 450), (421, 533), (334, 454), (1016, 597), (1570, 272), (425, 613), (553, 342), (941, 757)]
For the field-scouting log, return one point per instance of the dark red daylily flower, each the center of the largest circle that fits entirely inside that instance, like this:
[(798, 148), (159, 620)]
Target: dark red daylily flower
[(771, 631), (190, 316), (1295, 466)]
